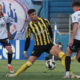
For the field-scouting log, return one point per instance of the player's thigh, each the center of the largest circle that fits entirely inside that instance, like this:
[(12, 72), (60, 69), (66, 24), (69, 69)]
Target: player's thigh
[(32, 59), (7, 45), (74, 48), (37, 51), (55, 50)]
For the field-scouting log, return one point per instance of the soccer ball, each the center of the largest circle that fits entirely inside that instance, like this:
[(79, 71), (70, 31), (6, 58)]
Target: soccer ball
[(50, 64)]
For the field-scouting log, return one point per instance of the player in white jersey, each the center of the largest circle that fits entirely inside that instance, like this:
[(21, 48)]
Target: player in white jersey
[(5, 35), (74, 43)]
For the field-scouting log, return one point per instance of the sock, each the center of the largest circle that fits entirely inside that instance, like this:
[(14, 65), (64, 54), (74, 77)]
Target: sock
[(67, 63), (9, 64), (62, 57), (9, 58), (67, 73), (23, 68)]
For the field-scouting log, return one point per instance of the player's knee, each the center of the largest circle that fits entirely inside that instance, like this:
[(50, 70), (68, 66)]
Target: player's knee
[(29, 63), (78, 60), (10, 51), (68, 52), (52, 51)]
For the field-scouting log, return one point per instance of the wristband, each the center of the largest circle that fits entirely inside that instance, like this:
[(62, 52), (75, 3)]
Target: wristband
[(24, 52)]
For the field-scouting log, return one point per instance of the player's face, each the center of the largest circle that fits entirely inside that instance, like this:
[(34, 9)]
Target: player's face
[(75, 8), (33, 16)]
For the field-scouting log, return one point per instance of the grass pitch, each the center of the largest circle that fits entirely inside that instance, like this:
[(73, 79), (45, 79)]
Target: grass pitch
[(37, 71)]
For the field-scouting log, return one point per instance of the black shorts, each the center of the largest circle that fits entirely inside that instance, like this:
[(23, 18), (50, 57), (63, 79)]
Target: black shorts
[(38, 50), (76, 46), (5, 42)]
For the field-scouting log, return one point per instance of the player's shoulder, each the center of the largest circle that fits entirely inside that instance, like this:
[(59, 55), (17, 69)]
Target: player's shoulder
[(46, 20), (42, 19), (76, 13)]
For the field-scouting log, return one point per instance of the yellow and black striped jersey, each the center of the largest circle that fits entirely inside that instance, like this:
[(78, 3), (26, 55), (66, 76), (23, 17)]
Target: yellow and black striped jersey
[(40, 31)]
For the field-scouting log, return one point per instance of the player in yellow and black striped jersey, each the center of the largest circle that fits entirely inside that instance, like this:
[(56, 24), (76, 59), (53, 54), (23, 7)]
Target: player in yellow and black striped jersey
[(42, 32)]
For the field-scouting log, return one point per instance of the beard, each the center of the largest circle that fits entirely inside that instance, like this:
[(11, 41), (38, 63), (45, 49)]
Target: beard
[(35, 19)]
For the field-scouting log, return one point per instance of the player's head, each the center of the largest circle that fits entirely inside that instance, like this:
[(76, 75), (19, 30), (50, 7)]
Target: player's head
[(75, 5), (32, 14)]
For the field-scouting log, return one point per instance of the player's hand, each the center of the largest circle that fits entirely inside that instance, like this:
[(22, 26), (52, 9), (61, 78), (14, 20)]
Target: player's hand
[(25, 55), (70, 42), (9, 35)]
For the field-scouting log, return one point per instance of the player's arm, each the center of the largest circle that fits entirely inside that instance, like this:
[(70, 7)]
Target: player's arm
[(50, 31), (8, 29), (27, 42), (75, 28), (8, 20), (49, 28)]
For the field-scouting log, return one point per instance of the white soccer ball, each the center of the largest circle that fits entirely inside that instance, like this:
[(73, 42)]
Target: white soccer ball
[(50, 64)]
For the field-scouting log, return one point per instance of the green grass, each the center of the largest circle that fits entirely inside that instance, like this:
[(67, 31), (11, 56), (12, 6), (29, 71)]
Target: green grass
[(37, 71)]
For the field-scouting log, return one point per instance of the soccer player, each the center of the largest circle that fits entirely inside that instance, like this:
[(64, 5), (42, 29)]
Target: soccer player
[(5, 35), (74, 43), (42, 32)]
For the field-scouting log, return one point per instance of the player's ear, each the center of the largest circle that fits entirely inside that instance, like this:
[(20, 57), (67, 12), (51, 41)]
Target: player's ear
[(29, 16)]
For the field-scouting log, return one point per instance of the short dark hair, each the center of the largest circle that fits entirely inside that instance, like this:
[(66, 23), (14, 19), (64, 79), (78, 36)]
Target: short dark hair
[(75, 3), (30, 11)]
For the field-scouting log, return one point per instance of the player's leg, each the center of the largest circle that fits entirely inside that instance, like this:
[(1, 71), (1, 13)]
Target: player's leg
[(70, 49), (35, 54), (23, 67), (68, 62), (26, 65), (10, 53), (7, 45), (57, 52)]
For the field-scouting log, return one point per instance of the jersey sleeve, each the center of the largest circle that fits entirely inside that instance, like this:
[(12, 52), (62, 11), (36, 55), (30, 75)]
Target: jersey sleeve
[(28, 32), (28, 35), (74, 18), (49, 27), (47, 21)]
